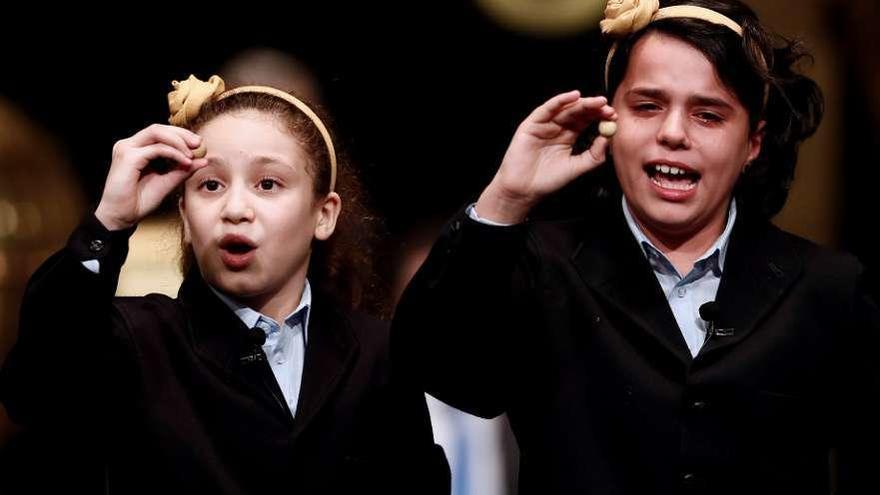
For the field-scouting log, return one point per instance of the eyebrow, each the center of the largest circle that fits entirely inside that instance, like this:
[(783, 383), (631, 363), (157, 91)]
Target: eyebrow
[(257, 160), (270, 159), (695, 100)]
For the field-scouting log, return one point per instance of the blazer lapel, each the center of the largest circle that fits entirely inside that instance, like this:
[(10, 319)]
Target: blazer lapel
[(761, 265), (218, 335), (610, 261), (330, 352), (219, 338)]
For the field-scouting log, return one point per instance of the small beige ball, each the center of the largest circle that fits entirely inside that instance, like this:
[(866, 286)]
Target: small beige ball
[(607, 128), (201, 151)]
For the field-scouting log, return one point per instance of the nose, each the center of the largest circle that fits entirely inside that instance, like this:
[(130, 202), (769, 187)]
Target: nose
[(673, 131), (237, 207)]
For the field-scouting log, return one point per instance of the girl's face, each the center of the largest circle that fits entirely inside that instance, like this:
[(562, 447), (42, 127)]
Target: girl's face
[(683, 139), (251, 213)]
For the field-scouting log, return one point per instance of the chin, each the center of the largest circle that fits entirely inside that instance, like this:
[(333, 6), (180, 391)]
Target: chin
[(670, 218), (236, 284)]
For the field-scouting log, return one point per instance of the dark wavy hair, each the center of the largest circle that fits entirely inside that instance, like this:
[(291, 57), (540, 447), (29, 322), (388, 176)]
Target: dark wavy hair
[(341, 267), (794, 105)]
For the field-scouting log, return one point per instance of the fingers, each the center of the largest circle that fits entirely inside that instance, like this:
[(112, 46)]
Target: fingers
[(578, 115), (133, 154), (178, 137), (154, 187), (592, 158), (152, 152), (157, 186), (565, 116), (553, 106), (132, 190)]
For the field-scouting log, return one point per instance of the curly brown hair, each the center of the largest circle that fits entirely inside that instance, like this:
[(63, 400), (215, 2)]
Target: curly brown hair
[(342, 266)]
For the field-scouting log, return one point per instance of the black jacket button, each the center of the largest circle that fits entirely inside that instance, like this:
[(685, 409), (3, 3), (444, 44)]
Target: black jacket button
[(96, 246)]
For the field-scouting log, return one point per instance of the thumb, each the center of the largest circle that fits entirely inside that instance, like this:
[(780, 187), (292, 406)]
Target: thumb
[(155, 187), (593, 157)]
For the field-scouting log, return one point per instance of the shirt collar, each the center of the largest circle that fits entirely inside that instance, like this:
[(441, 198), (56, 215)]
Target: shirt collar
[(714, 256), (250, 316)]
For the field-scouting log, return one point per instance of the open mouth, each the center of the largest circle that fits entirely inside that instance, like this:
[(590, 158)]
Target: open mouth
[(236, 251), (672, 176), (236, 244)]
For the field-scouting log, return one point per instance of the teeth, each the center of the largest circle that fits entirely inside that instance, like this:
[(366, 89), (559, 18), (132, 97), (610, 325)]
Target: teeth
[(666, 169), (678, 185)]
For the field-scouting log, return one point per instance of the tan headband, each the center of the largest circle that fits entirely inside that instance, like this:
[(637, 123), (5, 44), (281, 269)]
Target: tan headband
[(623, 17), (694, 12), (189, 96)]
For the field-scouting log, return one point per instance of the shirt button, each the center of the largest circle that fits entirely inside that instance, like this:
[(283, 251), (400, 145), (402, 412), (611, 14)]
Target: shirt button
[(96, 245), (682, 291)]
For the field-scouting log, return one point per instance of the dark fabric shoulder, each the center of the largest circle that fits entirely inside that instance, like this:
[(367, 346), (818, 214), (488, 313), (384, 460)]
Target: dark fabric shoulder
[(830, 265), (566, 234), (153, 323), (149, 306), (372, 336), (149, 311), (368, 328)]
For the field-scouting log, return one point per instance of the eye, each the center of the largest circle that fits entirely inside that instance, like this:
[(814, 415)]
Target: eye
[(646, 107), (210, 185), (268, 184), (709, 117)]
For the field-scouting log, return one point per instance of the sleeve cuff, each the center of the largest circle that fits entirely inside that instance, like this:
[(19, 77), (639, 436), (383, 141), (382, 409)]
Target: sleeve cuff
[(472, 213), (95, 246)]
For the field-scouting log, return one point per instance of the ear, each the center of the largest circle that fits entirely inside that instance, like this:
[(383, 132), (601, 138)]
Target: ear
[(755, 141), (328, 213), (181, 207)]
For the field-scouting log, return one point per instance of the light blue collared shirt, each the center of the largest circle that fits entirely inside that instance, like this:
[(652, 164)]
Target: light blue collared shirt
[(285, 345), (686, 294)]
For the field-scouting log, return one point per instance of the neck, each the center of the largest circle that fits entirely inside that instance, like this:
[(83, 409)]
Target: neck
[(279, 304), (683, 248)]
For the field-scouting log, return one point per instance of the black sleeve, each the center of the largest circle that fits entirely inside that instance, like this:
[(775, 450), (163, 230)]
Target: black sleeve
[(419, 465), (460, 325), (71, 348), (394, 450), (858, 399)]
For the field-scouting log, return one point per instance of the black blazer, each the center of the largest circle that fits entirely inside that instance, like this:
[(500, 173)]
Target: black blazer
[(160, 385), (563, 326)]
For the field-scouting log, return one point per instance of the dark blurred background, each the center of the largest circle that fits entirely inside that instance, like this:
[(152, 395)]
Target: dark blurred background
[(425, 98)]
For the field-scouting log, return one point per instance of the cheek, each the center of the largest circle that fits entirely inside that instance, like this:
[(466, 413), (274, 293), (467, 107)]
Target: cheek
[(631, 136), (624, 151), (728, 156), (293, 221), (731, 176), (199, 228), (732, 142)]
